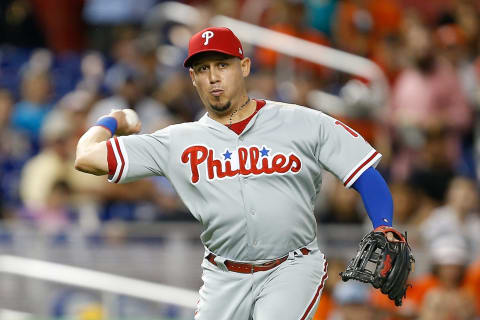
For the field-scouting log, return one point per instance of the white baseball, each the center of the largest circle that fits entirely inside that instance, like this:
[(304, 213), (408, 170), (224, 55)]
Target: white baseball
[(131, 117)]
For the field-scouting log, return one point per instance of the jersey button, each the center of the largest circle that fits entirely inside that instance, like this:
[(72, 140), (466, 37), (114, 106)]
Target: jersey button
[(252, 212), (255, 243)]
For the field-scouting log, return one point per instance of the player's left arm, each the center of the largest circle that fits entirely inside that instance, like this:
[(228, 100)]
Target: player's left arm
[(384, 258), (377, 199), (343, 151)]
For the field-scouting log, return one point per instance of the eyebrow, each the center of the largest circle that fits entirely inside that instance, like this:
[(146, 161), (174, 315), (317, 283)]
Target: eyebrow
[(214, 59)]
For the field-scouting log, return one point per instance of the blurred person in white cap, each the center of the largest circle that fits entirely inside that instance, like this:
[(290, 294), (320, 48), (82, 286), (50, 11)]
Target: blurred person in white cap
[(449, 258), (41, 172), (352, 300), (45, 188), (458, 215), (450, 255)]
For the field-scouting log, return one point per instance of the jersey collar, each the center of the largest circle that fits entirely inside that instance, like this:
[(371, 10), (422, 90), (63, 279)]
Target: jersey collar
[(206, 120), (209, 122)]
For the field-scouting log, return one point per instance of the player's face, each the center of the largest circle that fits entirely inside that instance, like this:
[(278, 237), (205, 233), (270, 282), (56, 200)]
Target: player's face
[(219, 80)]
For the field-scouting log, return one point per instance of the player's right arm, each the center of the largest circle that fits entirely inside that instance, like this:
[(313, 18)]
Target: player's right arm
[(91, 156)]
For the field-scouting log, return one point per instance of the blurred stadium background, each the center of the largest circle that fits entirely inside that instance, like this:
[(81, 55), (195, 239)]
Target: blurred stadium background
[(404, 73)]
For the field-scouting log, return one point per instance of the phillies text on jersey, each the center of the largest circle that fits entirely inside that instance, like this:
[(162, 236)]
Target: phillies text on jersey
[(244, 161)]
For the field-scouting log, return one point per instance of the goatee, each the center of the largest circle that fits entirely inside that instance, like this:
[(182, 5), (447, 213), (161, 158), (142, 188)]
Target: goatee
[(221, 109)]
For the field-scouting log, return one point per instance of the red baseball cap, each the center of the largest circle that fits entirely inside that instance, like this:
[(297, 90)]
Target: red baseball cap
[(214, 39)]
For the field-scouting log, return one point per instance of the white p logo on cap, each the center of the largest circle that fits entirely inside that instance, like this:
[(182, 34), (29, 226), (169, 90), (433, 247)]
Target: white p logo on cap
[(207, 35)]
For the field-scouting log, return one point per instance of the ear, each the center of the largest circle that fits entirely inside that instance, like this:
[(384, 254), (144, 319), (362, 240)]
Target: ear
[(192, 77), (245, 65)]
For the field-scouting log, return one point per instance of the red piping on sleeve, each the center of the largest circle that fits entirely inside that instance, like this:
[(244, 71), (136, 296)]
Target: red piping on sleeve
[(112, 161), (117, 144), (360, 168)]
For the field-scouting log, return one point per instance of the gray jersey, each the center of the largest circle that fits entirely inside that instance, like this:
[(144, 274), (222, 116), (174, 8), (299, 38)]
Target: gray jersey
[(254, 193)]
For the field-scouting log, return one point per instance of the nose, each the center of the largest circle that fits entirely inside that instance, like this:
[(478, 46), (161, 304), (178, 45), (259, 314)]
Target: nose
[(213, 75)]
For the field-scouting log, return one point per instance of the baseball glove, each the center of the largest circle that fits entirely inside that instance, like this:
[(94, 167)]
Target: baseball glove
[(384, 264)]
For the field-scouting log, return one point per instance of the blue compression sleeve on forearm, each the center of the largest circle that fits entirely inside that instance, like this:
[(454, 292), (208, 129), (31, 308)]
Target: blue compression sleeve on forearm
[(376, 197)]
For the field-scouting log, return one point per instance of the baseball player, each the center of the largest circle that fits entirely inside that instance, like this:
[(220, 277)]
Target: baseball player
[(249, 171)]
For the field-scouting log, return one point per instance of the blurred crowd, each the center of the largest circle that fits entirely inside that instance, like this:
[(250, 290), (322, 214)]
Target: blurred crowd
[(65, 63)]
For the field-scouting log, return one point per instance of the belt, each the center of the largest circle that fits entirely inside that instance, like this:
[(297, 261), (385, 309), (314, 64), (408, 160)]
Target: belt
[(251, 268)]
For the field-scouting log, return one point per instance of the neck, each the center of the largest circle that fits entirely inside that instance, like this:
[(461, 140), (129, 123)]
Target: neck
[(241, 110)]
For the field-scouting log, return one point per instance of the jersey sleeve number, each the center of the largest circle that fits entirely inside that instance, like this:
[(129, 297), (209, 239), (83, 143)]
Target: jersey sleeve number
[(350, 130)]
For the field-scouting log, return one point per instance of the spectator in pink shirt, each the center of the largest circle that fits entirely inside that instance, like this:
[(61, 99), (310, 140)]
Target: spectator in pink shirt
[(429, 93)]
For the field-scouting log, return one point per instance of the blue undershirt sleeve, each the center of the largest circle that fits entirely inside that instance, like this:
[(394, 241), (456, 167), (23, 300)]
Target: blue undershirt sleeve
[(376, 197)]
